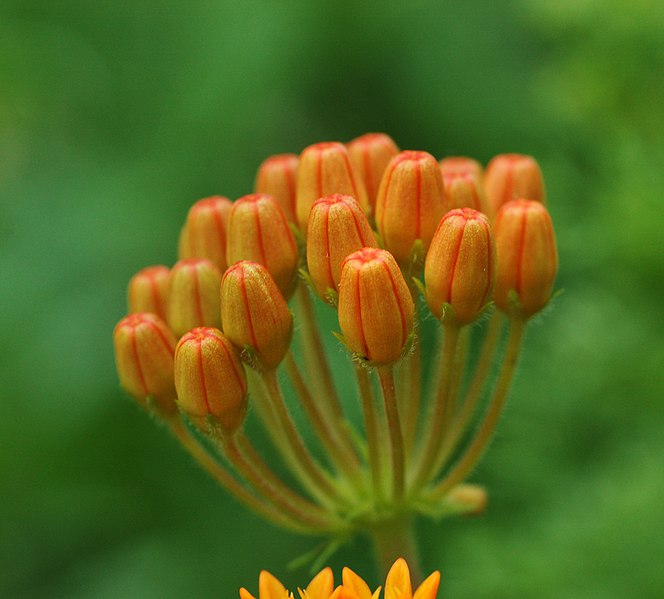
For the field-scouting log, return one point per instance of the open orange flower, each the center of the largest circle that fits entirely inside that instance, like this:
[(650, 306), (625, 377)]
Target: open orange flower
[(397, 586)]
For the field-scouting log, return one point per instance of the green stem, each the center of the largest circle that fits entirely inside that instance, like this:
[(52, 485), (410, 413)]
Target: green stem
[(264, 485), (371, 427), (477, 384), (315, 356), (307, 470), (483, 435), (442, 410), (386, 376), (341, 454), (229, 483)]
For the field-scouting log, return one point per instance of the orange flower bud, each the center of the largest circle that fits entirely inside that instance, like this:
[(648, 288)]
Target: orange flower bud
[(460, 165), (410, 203), (206, 230), (144, 348), (193, 299), (210, 379), (326, 168), (370, 154), (527, 257), (184, 247), (337, 228), (375, 306), (254, 314), (148, 291), (277, 176), (510, 177), (460, 266), (258, 231)]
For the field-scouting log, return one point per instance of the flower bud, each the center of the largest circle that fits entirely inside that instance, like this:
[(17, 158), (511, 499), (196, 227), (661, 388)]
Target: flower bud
[(277, 176), (206, 230), (210, 379), (144, 348), (370, 155), (460, 165), (337, 228), (460, 266), (527, 257), (409, 203), (184, 247), (375, 306), (326, 168), (464, 190), (148, 291), (258, 231), (193, 299), (254, 314), (512, 176)]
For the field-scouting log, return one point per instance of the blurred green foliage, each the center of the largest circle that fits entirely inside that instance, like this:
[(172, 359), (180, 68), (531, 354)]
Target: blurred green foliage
[(116, 116)]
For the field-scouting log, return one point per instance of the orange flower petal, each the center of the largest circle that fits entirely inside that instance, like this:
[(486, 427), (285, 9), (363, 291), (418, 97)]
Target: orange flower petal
[(321, 585), (356, 584), (397, 585), (270, 588), (429, 588), (245, 594)]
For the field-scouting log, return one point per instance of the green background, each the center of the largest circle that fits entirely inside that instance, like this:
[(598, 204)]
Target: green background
[(116, 116)]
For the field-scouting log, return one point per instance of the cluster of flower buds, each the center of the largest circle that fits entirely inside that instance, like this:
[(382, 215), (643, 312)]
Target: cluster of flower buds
[(386, 238)]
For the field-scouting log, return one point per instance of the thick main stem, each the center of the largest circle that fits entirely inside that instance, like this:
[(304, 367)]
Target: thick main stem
[(386, 376), (483, 435), (395, 539)]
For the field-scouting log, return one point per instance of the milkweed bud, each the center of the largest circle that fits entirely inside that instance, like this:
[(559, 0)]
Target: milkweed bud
[(258, 231), (210, 379), (527, 257), (512, 176), (370, 154), (460, 266), (409, 203), (193, 296), (375, 306), (148, 291), (462, 178), (254, 314), (144, 348), (460, 165), (205, 235), (277, 176), (337, 228), (326, 168)]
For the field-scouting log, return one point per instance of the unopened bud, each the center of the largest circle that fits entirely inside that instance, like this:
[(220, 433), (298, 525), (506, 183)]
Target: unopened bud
[(326, 168), (254, 314), (148, 291), (460, 165), (410, 203), (206, 230), (337, 228), (193, 299), (527, 257), (144, 348), (512, 176), (258, 231), (459, 271), (462, 177), (371, 153), (277, 176), (184, 247), (469, 500), (210, 379), (375, 306)]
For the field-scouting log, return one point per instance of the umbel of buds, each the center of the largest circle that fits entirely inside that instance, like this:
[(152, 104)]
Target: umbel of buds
[(395, 242)]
